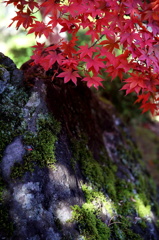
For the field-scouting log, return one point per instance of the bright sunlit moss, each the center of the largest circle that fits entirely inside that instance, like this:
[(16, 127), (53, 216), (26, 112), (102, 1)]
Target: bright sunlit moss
[(142, 210)]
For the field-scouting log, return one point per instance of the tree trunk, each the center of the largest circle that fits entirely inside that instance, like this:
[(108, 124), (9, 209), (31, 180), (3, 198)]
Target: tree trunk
[(69, 166)]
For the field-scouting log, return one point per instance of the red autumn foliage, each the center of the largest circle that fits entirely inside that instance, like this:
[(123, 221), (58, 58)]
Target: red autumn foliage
[(124, 40)]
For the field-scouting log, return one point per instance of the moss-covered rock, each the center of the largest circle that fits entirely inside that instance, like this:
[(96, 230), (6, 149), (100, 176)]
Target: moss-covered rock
[(12, 99), (117, 202), (40, 147), (82, 178)]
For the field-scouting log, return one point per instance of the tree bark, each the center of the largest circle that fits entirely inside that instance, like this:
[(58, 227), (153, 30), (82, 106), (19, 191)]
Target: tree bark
[(69, 166)]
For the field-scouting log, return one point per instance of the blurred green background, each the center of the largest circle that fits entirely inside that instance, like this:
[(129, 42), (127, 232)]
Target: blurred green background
[(14, 43)]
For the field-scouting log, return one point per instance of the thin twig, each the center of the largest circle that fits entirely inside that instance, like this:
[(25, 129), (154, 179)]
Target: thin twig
[(113, 223), (97, 40)]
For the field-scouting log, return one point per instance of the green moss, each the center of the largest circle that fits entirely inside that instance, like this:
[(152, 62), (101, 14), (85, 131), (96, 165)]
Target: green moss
[(92, 228), (119, 223), (42, 147), (100, 201), (92, 168), (117, 232), (110, 180), (49, 122), (103, 176), (156, 208), (157, 223), (89, 224), (142, 209), (131, 235), (146, 187), (19, 169), (107, 194), (124, 233), (124, 197), (146, 200), (121, 229), (11, 123)]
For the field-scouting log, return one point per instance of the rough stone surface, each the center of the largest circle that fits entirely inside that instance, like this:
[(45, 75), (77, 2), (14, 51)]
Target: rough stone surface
[(4, 78), (13, 153)]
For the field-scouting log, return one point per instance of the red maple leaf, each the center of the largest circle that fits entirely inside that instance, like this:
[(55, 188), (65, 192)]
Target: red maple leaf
[(111, 43), (68, 48), (68, 75), (70, 63), (135, 83), (91, 32), (40, 28), (143, 98), (69, 25), (152, 107), (32, 4), (39, 47), (94, 64), (86, 51), (116, 66), (93, 81), (15, 2), (52, 57), (23, 18), (50, 6)]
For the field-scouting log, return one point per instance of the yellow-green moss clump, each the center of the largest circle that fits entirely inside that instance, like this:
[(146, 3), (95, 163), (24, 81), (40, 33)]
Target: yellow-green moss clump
[(92, 228), (41, 146), (143, 211), (102, 203)]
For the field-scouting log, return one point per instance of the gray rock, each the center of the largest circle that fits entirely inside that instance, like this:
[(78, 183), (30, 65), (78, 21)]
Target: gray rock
[(63, 212), (13, 153), (4, 79)]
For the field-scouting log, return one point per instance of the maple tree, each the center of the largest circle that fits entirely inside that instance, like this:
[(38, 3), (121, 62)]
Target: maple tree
[(124, 40)]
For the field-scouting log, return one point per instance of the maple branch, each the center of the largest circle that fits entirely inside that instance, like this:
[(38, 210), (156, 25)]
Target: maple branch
[(36, 11), (77, 46), (97, 40)]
